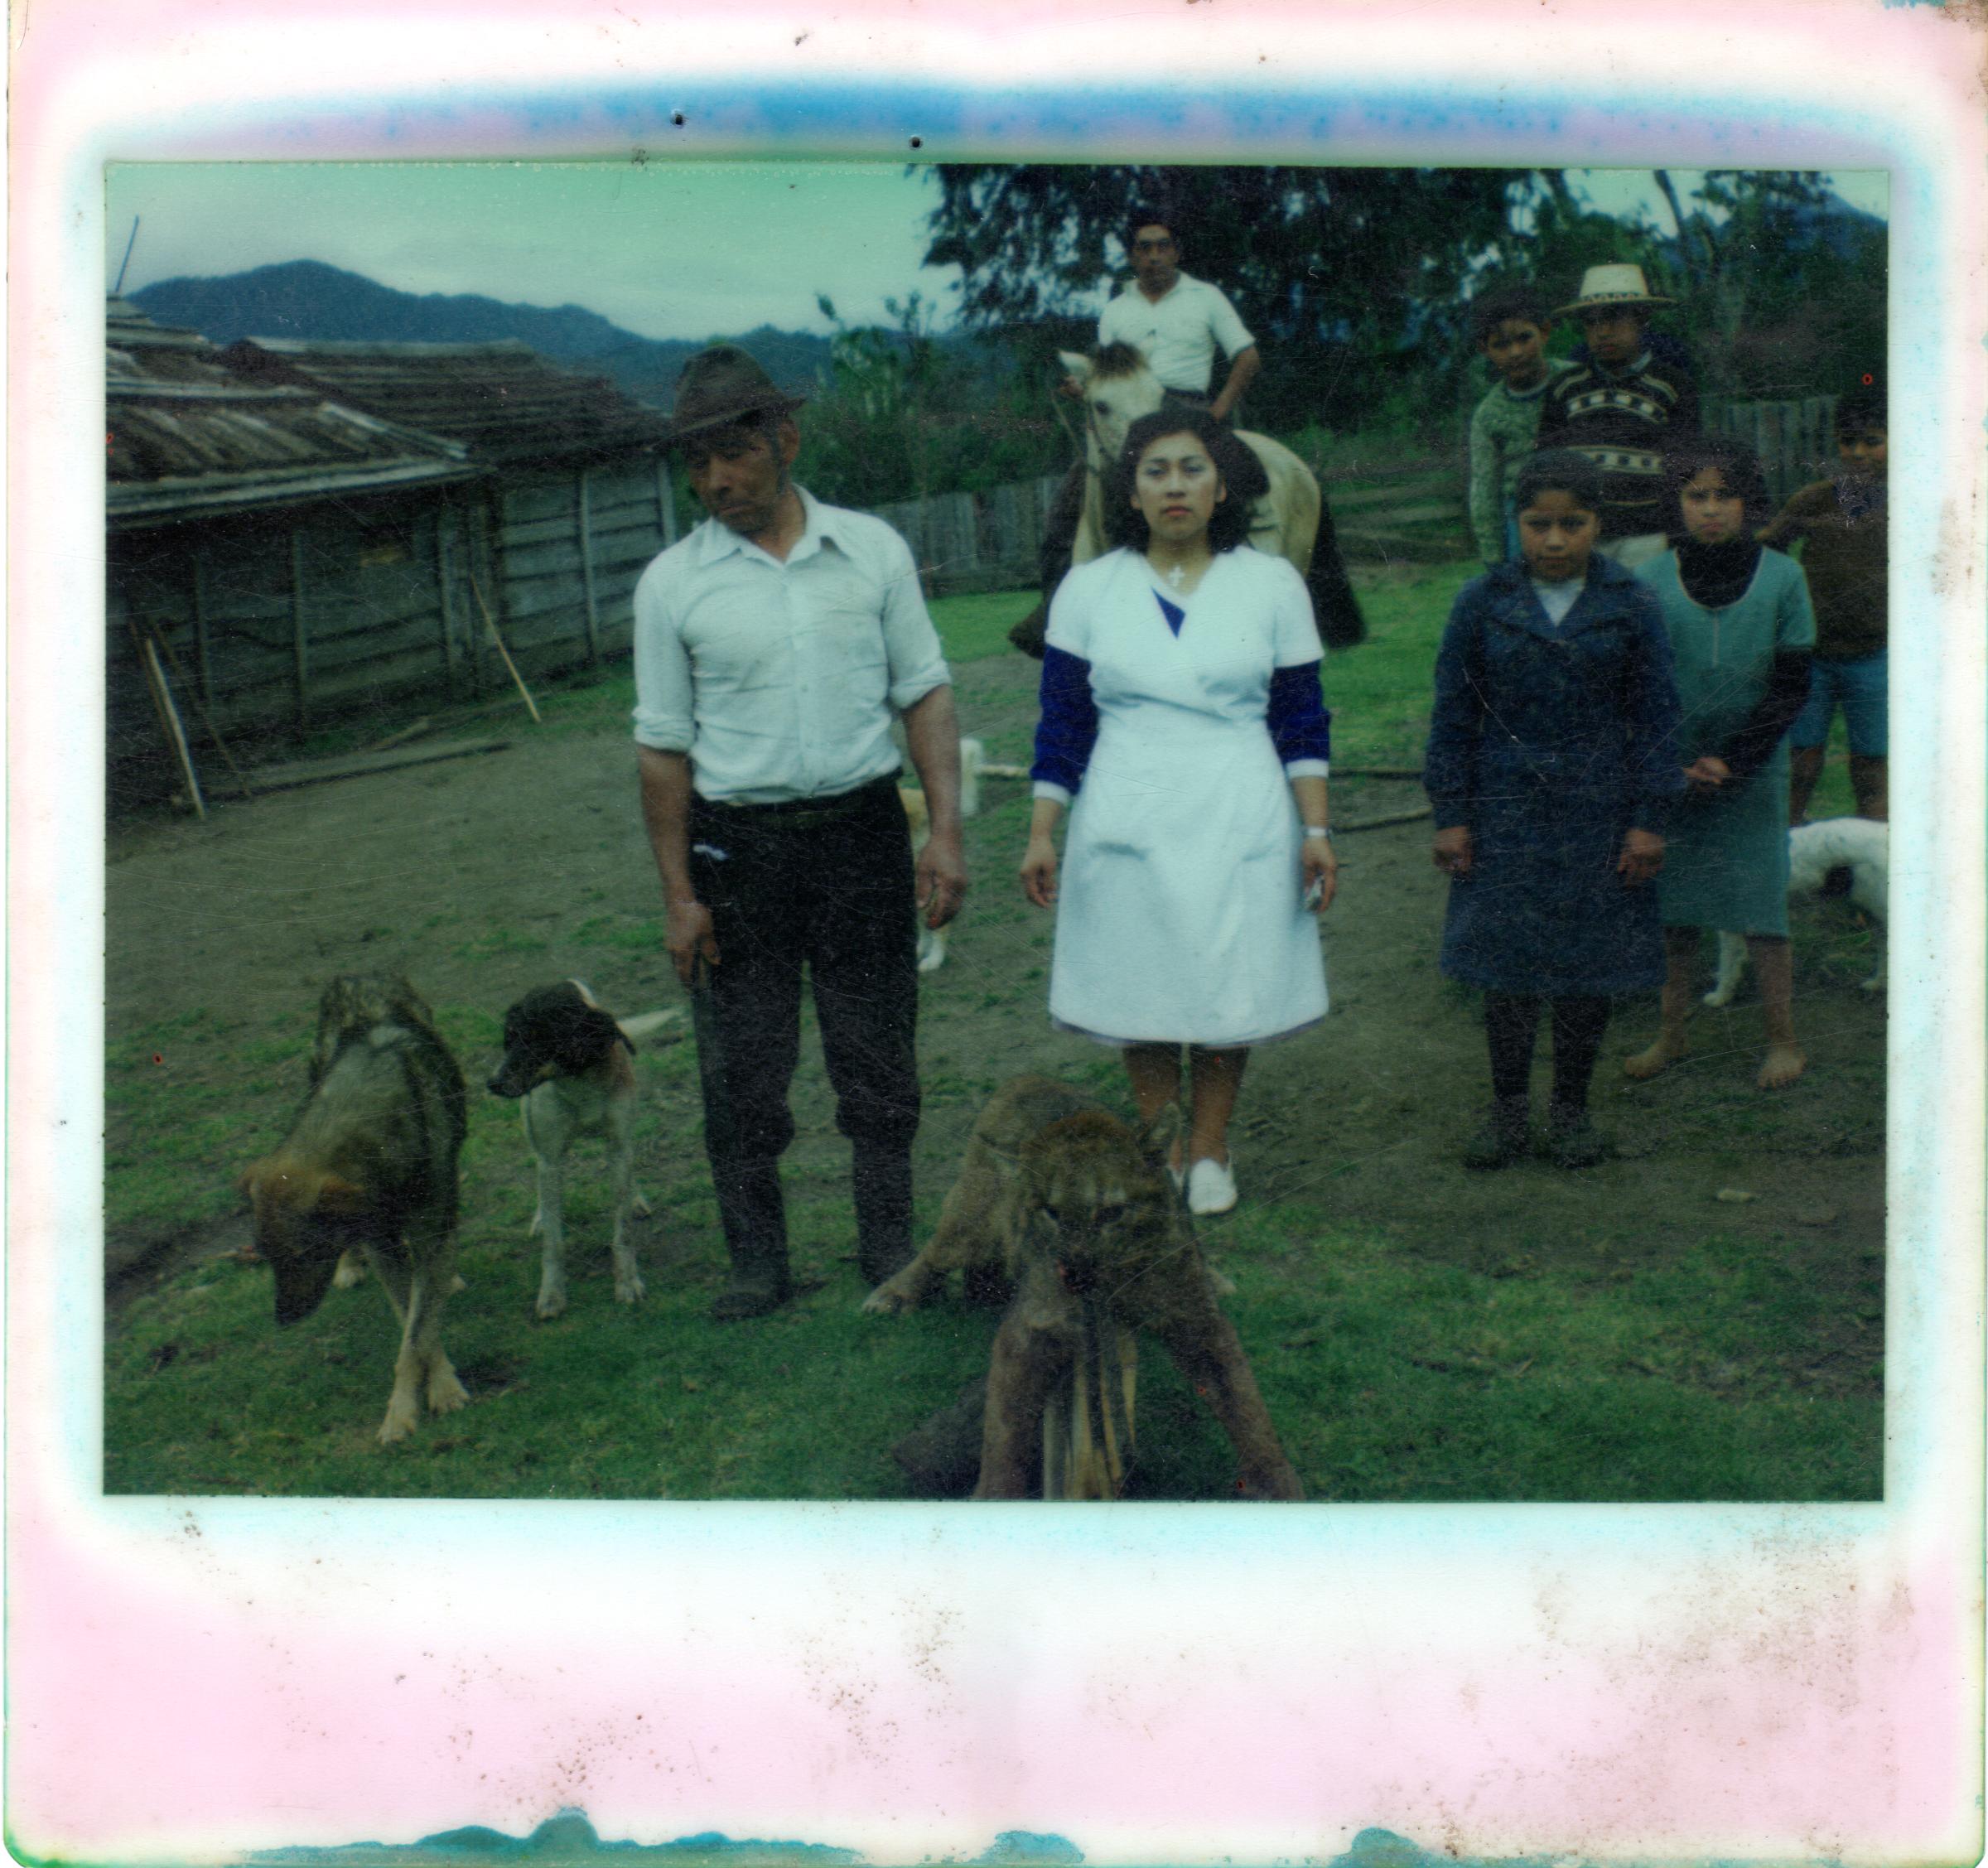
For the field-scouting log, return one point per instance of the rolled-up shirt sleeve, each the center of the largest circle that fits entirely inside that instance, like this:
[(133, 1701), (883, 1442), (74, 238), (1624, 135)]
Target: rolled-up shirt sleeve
[(1227, 328), (911, 645), (663, 685)]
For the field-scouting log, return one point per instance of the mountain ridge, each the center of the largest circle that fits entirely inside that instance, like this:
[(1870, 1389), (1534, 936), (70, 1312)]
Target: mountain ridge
[(312, 300)]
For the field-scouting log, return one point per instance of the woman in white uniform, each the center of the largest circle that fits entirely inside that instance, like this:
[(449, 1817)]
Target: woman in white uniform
[(1181, 713)]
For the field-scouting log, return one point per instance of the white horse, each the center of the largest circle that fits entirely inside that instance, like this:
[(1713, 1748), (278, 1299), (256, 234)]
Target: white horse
[(1117, 388)]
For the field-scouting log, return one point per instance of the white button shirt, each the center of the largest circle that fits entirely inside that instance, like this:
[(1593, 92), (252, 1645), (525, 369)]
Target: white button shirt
[(780, 680), (1178, 332)]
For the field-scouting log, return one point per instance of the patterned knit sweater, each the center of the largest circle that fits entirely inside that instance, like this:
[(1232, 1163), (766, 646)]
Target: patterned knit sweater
[(1622, 420)]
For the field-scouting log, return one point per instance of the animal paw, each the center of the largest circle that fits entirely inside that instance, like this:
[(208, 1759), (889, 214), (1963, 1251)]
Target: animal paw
[(1876, 983), (351, 1270), (446, 1393), (638, 1202), (628, 1287), (889, 1299), (551, 1301), (401, 1416)]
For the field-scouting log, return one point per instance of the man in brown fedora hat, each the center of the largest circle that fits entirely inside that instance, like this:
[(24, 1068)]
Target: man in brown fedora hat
[(1621, 408), (773, 647)]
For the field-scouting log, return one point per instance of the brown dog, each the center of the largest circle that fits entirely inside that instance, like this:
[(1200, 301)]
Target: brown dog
[(1079, 1211), (371, 1167)]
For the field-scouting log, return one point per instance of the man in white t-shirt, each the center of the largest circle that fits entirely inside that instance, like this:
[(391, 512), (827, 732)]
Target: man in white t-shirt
[(1177, 321)]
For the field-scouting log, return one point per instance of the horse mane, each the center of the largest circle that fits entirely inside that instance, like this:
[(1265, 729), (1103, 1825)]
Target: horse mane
[(1118, 359)]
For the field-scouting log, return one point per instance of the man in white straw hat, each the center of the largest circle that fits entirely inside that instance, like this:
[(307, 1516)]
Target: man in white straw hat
[(1622, 408)]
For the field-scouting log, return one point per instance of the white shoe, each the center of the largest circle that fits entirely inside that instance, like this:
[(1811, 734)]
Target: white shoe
[(1211, 1187)]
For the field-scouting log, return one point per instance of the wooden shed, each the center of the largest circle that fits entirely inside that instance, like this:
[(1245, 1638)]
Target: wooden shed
[(272, 555), (578, 497)]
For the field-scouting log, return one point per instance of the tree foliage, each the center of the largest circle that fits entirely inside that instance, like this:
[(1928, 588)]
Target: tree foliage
[(905, 411), (1357, 281), (1347, 276)]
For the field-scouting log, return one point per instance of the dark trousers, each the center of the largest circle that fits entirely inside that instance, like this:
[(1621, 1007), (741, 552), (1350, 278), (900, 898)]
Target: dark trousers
[(825, 885), (1511, 1019)]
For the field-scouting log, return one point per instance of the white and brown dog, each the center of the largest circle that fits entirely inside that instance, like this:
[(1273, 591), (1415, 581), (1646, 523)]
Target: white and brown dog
[(1860, 845), (973, 757), (573, 1063)]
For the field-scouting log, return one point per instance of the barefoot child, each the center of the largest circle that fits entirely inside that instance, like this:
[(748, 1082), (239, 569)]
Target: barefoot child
[(1550, 767), (1741, 630), (1511, 327), (1842, 523)]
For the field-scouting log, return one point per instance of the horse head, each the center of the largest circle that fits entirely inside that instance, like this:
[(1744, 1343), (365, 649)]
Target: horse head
[(1118, 389)]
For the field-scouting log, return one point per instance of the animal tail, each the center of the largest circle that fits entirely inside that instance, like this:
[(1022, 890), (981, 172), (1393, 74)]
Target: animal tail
[(636, 1029), (1337, 610)]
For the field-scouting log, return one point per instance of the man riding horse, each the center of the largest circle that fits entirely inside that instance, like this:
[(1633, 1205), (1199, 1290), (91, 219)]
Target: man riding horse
[(1178, 324)]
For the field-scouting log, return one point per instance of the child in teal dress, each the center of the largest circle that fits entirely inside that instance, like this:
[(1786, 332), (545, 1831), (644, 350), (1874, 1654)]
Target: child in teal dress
[(1742, 631)]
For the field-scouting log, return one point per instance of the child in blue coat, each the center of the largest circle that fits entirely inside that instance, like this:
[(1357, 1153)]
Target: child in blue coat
[(1551, 766)]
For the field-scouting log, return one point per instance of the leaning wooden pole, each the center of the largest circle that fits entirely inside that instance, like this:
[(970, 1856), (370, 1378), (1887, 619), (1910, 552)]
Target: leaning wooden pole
[(169, 719), (490, 624), (214, 732)]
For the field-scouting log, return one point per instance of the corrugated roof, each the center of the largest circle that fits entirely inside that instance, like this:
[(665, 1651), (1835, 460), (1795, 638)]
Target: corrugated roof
[(502, 400), (187, 436)]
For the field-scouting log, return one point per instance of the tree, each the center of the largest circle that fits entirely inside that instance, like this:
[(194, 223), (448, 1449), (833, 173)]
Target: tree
[(1346, 275)]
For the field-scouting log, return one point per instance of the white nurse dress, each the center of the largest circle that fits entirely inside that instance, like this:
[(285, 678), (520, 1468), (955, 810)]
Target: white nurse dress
[(1179, 912)]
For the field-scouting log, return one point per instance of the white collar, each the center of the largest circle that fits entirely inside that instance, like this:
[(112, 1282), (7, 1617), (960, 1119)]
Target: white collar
[(720, 541)]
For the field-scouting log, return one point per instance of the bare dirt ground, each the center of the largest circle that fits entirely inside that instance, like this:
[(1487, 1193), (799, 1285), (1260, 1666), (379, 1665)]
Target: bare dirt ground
[(486, 876)]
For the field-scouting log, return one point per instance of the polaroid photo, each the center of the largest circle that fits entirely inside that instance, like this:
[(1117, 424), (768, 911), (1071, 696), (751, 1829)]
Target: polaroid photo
[(1624, 1448)]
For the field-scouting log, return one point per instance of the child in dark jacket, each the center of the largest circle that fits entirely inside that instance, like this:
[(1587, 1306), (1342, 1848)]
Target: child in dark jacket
[(1551, 768)]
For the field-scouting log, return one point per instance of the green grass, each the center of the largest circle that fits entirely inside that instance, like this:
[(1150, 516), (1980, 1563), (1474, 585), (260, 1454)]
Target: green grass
[(974, 627), (1392, 1375), (1392, 1378)]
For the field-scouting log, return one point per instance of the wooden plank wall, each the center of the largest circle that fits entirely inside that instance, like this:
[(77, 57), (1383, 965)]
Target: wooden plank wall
[(280, 621), (550, 588)]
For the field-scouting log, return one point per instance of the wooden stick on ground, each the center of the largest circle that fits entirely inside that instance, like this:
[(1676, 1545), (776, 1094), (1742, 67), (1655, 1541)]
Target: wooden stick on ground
[(214, 732), (1385, 819), (169, 718), (490, 624)]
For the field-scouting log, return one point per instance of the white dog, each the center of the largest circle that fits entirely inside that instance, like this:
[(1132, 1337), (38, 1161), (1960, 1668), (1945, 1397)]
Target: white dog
[(973, 757), (1860, 845)]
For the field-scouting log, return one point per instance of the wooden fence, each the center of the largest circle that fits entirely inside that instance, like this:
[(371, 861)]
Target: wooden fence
[(1796, 441), (1412, 511)]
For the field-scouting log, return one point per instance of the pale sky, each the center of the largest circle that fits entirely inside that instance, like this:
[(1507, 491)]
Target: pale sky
[(664, 250)]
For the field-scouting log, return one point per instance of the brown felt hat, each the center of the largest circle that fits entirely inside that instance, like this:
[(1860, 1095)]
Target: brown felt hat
[(724, 384)]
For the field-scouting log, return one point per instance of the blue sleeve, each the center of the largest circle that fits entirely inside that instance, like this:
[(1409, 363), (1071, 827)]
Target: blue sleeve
[(1456, 718), (1654, 720), (1299, 725), (1068, 729)]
